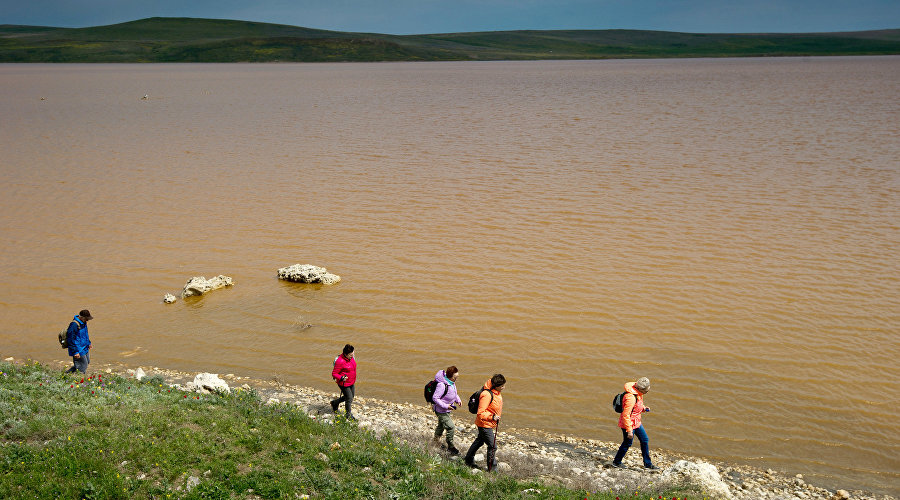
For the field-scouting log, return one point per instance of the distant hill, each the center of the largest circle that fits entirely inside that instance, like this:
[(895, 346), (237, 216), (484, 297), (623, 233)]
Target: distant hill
[(212, 40)]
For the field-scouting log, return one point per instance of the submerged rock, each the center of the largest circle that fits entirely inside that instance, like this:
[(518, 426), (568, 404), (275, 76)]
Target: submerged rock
[(198, 285), (307, 273)]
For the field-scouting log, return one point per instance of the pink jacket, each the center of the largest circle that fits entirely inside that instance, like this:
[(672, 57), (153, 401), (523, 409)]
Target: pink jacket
[(344, 366), (632, 408)]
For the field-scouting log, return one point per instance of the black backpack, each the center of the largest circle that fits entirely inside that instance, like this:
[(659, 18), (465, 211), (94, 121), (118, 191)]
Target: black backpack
[(430, 387), (619, 402), (476, 397)]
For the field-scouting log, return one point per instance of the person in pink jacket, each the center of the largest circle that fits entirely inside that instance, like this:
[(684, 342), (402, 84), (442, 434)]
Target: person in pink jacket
[(344, 374), (630, 422)]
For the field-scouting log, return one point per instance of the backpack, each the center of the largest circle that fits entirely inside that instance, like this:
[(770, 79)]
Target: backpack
[(63, 335), (430, 387), (476, 397), (619, 402)]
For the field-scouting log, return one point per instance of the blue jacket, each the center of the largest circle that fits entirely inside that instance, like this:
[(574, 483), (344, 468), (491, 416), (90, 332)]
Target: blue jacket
[(77, 337)]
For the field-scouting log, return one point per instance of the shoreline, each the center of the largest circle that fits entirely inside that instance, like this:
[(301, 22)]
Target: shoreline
[(574, 462)]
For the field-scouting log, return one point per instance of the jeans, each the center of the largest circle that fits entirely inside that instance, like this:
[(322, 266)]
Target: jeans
[(346, 397), (445, 422), (80, 364), (626, 443), (485, 436)]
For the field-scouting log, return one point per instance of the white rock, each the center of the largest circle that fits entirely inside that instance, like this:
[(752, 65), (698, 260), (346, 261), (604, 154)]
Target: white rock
[(842, 494), (10, 359), (701, 474), (307, 273), (139, 374), (206, 383), (169, 298), (323, 457), (192, 483), (198, 285), (503, 466)]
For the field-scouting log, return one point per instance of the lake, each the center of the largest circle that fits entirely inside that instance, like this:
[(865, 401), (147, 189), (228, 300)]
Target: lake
[(729, 228)]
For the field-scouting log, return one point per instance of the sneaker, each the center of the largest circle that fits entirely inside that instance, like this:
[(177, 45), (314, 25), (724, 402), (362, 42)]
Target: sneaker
[(618, 466), (651, 467), (453, 451), (334, 405)]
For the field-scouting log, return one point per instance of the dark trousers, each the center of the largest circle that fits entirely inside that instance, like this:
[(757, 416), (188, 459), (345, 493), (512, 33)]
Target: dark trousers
[(485, 436), (80, 364), (626, 443), (346, 397)]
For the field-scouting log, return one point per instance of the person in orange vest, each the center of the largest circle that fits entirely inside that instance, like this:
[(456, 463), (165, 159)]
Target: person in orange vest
[(490, 406), (630, 422)]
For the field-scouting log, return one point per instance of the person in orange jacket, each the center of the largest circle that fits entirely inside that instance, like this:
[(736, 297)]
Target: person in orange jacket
[(490, 406), (630, 422)]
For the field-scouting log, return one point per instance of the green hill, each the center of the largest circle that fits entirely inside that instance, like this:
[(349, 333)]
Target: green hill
[(212, 40)]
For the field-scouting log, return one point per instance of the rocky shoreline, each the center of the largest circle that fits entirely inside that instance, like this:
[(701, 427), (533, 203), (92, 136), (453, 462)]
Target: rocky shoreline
[(525, 453)]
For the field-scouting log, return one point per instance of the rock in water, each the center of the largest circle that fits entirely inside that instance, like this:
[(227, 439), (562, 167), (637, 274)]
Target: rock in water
[(169, 298), (307, 273), (198, 285)]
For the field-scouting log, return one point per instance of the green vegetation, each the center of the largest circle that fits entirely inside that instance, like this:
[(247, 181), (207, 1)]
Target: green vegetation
[(212, 40), (104, 436)]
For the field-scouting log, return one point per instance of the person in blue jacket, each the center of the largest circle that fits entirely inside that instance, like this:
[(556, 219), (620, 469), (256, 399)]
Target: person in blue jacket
[(79, 342)]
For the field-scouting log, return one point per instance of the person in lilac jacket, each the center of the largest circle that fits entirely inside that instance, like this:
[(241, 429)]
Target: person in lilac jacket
[(445, 400)]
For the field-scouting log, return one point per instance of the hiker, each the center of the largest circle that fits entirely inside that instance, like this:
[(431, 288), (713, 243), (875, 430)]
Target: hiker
[(79, 342), (344, 374), (446, 399), (490, 406), (630, 422)]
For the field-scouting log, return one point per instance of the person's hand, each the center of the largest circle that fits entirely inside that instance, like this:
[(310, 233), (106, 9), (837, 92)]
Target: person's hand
[(90, 346), (496, 418), (77, 356), (630, 435), (343, 378), (647, 409)]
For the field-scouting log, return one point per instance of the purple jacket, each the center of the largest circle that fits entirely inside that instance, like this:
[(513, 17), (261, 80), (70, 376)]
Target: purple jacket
[(441, 400)]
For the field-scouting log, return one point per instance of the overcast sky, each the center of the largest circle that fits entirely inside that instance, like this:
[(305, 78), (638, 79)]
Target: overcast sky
[(441, 16)]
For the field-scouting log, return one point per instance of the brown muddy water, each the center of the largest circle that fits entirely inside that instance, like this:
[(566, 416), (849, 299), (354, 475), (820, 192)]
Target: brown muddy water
[(729, 228)]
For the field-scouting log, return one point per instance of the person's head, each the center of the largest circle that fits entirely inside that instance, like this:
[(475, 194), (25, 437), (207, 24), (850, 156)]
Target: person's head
[(452, 373), (348, 351), (498, 382), (85, 315), (642, 385)]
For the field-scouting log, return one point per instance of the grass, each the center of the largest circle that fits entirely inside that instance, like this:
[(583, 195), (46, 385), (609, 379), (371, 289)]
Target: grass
[(105, 436), (215, 40)]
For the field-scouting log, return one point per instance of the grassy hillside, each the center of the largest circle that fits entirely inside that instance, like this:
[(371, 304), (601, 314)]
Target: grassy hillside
[(211, 40), (105, 436)]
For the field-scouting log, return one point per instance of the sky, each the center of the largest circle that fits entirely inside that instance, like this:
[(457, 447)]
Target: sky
[(403, 17)]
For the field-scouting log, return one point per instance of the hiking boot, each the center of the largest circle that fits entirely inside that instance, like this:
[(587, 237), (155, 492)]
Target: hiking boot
[(334, 405), (651, 467), (351, 418), (453, 451), (470, 463), (618, 466)]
